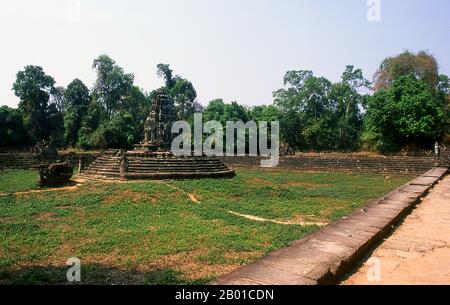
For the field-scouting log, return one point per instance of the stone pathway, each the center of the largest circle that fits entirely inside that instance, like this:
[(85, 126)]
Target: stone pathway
[(324, 256), (418, 252)]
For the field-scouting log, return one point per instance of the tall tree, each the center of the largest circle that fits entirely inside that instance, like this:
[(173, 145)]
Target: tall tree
[(12, 129), (181, 90), (137, 105), (423, 66), (33, 88), (57, 98), (348, 103), (307, 107), (112, 84), (77, 102), (164, 71)]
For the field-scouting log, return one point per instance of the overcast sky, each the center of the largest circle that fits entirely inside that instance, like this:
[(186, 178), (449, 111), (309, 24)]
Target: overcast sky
[(236, 50)]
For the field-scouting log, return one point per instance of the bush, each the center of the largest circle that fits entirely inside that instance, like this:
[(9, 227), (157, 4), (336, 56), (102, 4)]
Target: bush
[(119, 132)]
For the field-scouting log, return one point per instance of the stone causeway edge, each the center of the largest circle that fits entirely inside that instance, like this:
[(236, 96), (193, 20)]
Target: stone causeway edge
[(324, 256)]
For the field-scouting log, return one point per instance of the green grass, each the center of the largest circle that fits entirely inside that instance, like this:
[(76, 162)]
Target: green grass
[(152, 232), (12, 181)]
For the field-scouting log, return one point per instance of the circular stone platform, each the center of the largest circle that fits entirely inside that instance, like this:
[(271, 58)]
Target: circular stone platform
[(135, 164)]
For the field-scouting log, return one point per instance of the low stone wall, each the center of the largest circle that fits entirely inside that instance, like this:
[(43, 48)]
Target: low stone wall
[(326, 255), (345, 162), (81, 160), (321, 162), (33, 161)]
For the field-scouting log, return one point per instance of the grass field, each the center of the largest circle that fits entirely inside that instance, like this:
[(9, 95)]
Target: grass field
[(166, 232), (18, 180)]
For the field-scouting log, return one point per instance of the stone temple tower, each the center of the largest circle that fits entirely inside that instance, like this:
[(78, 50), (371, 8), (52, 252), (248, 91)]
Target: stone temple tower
[(152, 158), (157, 128)]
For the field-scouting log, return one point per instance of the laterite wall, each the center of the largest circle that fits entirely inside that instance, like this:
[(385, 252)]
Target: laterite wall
[(341, 162)]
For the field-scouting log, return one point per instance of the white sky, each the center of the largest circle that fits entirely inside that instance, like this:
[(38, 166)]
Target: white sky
[(233, 49)]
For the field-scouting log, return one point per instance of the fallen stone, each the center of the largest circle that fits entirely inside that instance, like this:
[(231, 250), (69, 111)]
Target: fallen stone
[(56, 173)]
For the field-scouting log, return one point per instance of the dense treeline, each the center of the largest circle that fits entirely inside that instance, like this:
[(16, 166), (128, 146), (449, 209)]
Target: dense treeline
[(407, 106)]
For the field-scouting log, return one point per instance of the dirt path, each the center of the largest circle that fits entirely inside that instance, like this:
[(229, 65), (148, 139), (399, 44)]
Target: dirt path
[(73, 185), (419, 250), (292, 222)]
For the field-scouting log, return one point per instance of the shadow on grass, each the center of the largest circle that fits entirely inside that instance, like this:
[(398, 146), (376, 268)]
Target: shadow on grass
[(95, 274), (58, 185)]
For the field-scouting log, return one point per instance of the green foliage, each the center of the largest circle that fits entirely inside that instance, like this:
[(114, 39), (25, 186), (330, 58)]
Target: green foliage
[(77, 102), (117, 112), (33, 87), (164, 71), (348, 102), (120, 132), (314, 113), (111, 86), (137, 104), (407, 112), (267, 113), (219, 111), (181, 91), (12, 129), (317, 114)]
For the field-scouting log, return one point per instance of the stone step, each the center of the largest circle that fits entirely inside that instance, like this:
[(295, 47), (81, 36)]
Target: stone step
[(102, 173), (104, 165), (178, 170), (173, 160), (180, 175), (175, 165), (186, 168)]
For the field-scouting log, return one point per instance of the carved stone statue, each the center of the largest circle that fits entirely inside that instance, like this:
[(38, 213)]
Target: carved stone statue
[(44, 148)]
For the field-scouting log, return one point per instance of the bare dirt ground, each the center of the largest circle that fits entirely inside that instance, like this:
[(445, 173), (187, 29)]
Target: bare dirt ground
[(419, 250)]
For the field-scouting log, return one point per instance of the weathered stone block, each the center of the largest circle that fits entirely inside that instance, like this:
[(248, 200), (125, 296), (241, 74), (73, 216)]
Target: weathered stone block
[(57, 173)]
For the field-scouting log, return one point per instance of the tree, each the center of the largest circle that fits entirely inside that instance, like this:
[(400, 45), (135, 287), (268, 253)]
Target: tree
[(423, 66), (164, 71), (33, 88), (347, 103), (184, 95), (306, 99), (57, 98), (407, 113), (12, 129), (77, 100), (137, 105), (317, 114), (112, 84), (266, 113), (94, 117), (215, 111), (120, 132), (181, 90)]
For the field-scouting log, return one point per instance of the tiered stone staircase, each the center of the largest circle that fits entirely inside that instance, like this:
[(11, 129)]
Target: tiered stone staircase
[(107, 166), (154, 165)]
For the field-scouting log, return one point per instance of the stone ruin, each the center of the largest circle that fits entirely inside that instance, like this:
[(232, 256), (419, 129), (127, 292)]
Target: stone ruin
[(55, 174), (43, 148), (157, 127), (152, 159)]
